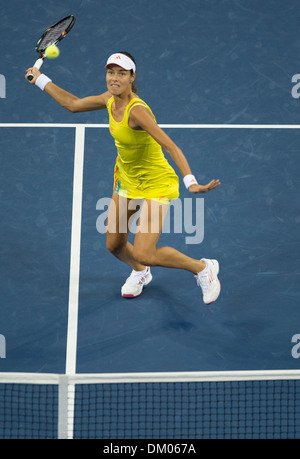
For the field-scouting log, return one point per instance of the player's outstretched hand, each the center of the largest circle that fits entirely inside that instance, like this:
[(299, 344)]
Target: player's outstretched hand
[(32, 71), (204, 188)]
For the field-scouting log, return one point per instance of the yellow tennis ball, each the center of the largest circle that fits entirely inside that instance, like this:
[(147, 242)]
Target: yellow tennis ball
[(52, 52)]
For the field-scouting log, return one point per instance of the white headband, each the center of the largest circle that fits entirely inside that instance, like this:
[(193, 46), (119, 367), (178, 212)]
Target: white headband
[(122, 60)]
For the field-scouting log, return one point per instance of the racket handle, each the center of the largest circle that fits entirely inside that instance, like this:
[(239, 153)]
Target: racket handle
[(38, 64)]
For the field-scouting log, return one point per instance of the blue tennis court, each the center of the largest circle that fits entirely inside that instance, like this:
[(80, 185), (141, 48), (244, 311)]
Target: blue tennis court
[(218, 77)]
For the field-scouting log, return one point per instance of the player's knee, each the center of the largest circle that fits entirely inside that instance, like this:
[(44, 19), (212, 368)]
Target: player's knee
[(142, 256), (115, 247)]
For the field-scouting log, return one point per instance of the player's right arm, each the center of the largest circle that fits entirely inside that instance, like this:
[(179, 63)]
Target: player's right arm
[(73, 103), (67, 100)]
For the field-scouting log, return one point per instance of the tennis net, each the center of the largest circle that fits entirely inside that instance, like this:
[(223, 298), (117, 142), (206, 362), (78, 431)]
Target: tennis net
[(185, 405)]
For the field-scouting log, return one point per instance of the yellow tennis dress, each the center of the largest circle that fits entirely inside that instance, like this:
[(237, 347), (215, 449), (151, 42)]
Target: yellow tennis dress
[(141, 170)]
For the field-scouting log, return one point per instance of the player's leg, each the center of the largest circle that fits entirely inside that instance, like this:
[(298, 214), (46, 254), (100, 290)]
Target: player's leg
[(117, 231), (145, 251), (121, 210), (151, 221)]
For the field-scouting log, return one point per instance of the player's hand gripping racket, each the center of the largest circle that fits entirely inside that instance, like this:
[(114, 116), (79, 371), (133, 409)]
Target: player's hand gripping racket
[(52, 36)]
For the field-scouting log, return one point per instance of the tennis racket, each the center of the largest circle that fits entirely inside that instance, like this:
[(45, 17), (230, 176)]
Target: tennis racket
[(52, 36)]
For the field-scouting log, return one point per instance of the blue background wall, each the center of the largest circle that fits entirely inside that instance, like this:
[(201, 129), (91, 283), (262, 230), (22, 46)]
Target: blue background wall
[(204, 61)]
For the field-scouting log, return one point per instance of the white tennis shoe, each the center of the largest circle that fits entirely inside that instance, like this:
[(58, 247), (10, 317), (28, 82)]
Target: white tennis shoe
[(208, 281), (135, 283)]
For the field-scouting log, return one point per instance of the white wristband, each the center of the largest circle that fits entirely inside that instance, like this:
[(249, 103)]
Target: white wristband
[(189, 180), (41, 81)]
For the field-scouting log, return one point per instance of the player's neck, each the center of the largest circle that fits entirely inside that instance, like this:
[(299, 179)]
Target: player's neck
[(123, 99)]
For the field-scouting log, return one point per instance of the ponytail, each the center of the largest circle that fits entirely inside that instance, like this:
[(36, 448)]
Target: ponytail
[(133, 86)]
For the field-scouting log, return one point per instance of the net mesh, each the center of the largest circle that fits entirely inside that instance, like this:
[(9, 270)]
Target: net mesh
[(193, 410), (250, 409), (28, 411)]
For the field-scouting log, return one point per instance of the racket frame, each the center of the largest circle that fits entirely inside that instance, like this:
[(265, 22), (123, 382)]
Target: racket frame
[(41, 50)]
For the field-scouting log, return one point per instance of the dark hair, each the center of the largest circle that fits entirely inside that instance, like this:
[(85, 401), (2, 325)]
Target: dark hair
[(134, 87)]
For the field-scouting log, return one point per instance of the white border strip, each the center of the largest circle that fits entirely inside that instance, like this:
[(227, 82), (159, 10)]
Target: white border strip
[(108, 378), (63, 408), (231, 126), (200, 376), (29, 378), (75, 251), (172, 126)]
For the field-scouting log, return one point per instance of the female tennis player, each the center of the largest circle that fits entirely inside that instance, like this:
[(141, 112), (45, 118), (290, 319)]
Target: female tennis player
[(142, 175)]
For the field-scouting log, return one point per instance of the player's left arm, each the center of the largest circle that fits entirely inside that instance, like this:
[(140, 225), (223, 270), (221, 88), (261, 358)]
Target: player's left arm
[(141, 118)]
